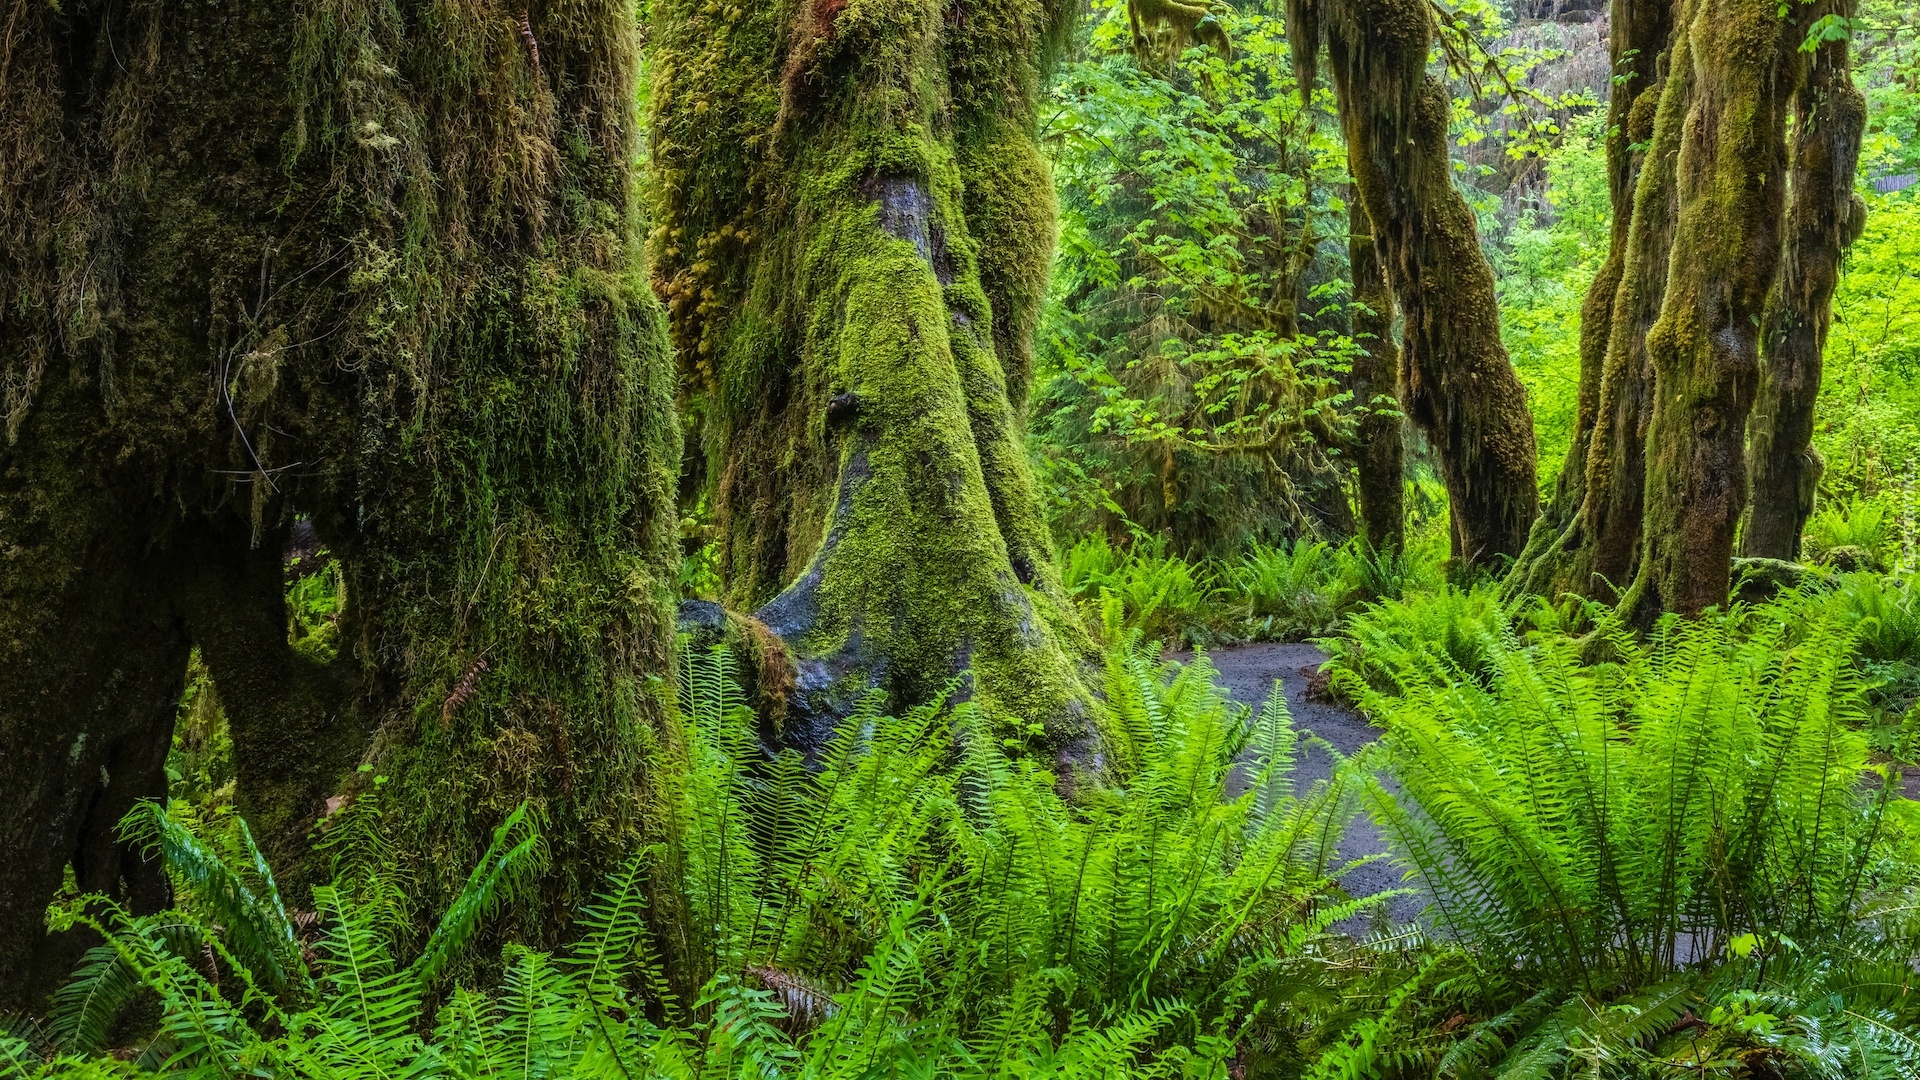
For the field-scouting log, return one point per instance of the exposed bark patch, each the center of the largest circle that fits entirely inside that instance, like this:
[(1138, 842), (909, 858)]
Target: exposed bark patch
[(906, 213)]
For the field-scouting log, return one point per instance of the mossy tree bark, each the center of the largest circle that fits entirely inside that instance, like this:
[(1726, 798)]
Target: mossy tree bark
[(1460, 387), (1824, 216), (370, 263), (1380, 447), (854, 239), (1595, 550), (1662, 487), (1639, 33), (1735, 66)]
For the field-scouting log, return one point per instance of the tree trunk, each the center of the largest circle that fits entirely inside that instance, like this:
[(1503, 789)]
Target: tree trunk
[(1460, 387), (369, 263), (1824, 216), (1380, 450), (1661, 488), (1735, 65), (853, 243), (1597, 551), (1640, 31)]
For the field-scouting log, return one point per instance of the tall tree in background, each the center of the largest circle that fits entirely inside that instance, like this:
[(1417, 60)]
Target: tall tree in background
[(1459, 386), (1665, 476), (374, 265), (1824, 216), (853, 240)]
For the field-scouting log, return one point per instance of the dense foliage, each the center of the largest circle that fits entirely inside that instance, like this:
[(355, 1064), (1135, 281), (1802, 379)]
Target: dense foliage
[(1196, 331), (1641, 863)]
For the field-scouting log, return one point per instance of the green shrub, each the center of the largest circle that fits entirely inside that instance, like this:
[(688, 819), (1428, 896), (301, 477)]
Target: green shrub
[(1883, 616), (1447, 635), (1143, 588), (1860, 530), (1289, 591)]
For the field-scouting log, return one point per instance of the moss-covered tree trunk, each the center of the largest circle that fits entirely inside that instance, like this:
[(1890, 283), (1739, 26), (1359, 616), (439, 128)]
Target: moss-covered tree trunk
[(1595, 551), (854, 239), (1734, 67), (1380, 449), (1824, 216), (1639, 33), (1460, 387), (375, 264), (1662, 486)]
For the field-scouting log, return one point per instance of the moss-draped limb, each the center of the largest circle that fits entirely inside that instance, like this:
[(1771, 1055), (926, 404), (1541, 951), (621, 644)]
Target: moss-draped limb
[(375, 263), (1460, 387), (1743, 62), (853, 240), (1824, 216), (1379, 447)]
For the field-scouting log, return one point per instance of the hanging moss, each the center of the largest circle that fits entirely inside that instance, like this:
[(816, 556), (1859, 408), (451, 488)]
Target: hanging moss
[(853, 239), (1379, 449), (1163, 29), (373, 263), (1459, 386)]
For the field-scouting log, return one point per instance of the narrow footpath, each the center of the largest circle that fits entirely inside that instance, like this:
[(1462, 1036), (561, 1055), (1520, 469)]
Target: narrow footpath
[(1246, 673)]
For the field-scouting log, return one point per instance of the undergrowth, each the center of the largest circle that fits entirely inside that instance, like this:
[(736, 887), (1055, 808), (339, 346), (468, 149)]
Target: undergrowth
[(1685, 855), (1663, 857), (918, 901), (1267, 592)]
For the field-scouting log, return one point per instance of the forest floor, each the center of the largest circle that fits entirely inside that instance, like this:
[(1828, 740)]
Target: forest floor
[(1246, 673)]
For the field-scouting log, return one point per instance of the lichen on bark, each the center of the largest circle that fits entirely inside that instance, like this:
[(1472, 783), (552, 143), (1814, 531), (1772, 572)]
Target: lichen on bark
[(854, 232)]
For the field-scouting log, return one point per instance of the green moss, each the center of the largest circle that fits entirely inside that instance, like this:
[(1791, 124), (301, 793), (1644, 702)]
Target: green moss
[(1823, 219), (1460, 388), (1704, 346), (404, 298), (854, 233)]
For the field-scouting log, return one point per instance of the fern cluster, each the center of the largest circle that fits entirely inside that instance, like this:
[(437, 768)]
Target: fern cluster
[(1678, 856), (920, 900), (1180, 891), (1266, 592), (1685, 854)]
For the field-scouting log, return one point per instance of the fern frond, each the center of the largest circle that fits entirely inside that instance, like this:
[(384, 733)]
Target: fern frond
[(512, 857)]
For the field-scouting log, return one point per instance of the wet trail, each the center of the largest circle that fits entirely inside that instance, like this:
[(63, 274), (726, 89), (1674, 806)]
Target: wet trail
[(1246, 673)]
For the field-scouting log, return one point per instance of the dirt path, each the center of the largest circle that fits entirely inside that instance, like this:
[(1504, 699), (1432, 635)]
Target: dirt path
[(1246, 673)]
